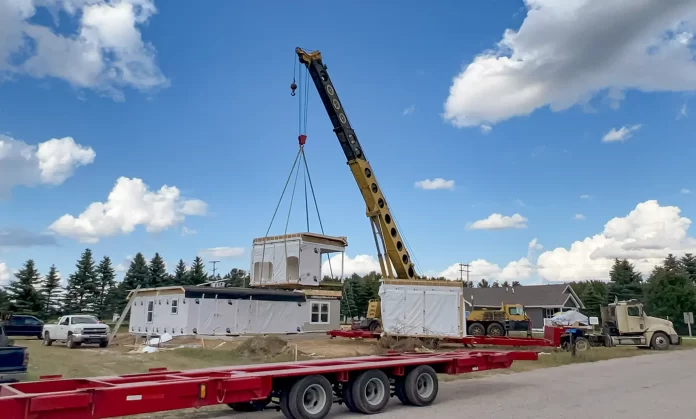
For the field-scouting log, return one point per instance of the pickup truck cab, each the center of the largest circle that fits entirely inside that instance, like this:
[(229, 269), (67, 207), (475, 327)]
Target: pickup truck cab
[(22, 325), (75, 330), (13, 360)]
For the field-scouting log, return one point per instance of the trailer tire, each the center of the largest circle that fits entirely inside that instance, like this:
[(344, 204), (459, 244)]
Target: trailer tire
[(659, 341), (477, 329), (310, 397), (400, 390), (370, 391), (496, 329), (582, 344), (421, 385), (284, 404), (347, 396)]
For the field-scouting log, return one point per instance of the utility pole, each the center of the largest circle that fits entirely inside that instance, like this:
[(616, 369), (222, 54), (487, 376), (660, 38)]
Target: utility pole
[(214, 262), (462, 269)]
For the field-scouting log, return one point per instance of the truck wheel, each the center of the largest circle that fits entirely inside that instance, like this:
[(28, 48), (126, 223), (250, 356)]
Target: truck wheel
[(495, 329), (347, 396), (370, 391), (374, 326), (421, 385), (47, 340), (400, 390), (284, 403), (104, 344), (310, 398), (477, 329), (69, 343), (659, 341), (582, 344)]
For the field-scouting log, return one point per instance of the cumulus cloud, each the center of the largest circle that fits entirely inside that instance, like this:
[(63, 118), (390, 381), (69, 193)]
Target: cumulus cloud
[(360, 264), (485, 128), (105, 50), (579, 217), (553, 59), (130, 204), (221, 252), (4, 274), (499, 222), (518, 270), (51, 162), (621, 134), (437, 183)]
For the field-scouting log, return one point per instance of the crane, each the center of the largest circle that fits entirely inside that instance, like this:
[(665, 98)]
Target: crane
[(397, 264)]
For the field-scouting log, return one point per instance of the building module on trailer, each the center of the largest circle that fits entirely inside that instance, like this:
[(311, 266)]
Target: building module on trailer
[(305, 389)]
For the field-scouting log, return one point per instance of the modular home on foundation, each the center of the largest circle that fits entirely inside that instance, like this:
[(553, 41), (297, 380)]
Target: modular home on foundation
[(196, 310)]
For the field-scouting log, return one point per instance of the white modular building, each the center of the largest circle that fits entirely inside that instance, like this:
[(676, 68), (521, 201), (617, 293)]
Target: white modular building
[(196, 310), (422, 308), (293, 259)]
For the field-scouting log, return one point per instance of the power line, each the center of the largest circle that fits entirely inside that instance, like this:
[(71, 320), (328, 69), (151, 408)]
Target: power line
[(214, 262), (464, 267)]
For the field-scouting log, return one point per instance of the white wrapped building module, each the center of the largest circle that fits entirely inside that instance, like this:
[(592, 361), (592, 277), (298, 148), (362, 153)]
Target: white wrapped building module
[(292, 259), (409, 309)]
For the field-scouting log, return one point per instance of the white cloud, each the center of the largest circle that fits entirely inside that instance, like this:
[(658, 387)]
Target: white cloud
[(433, 184), (479, 269), (120, 267), (520, 202), (104, 52), (50, 162), (622, 134), (360, 264), (579, 217), (553, 59), (585, 196), (685, 191), (129, 204), (485, 128), (645, 236), (408, 111), (683, 112), (4, 274), (221, 252), (499, 222), (185, 231), (535, 245)]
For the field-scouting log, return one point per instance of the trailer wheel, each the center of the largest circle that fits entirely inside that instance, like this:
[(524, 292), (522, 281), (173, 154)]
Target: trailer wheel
[(477, 329), (659, 341), (347, 396), (284, 404), (310, 397), (400, 390), (495, 329), (370, 391), (421, 385)]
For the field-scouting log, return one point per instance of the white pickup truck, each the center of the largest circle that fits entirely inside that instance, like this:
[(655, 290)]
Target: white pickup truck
[(75, 330)]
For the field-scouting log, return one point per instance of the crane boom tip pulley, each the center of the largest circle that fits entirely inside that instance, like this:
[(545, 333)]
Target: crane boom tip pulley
[(397, 263)]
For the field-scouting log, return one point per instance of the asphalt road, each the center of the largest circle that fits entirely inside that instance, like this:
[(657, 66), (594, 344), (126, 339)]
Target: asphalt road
[(651, 386)]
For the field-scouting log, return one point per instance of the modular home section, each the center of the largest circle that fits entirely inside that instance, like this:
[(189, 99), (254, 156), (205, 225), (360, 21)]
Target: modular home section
[(191, 310)]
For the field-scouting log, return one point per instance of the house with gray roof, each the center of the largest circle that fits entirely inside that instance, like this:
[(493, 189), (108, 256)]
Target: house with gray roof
[(539, 301)]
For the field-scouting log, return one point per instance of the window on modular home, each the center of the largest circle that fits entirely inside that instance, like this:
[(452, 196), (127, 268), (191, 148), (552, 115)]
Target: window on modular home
[(150, 310), (175, 306), (320, 313), (549, 312)]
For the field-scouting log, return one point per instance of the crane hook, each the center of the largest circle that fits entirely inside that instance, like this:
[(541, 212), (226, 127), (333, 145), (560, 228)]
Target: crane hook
[(293, 87)]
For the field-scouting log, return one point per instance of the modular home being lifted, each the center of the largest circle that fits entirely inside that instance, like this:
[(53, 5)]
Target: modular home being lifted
[(196, 310)]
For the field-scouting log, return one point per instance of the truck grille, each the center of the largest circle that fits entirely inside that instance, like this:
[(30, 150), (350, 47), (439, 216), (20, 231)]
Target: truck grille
[(93, 331)]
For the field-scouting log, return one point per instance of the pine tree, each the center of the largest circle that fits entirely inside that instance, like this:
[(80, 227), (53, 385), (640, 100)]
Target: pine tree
[(505, 284), (158, 272), (625, 283), (238, 278), (348, 301), (516, 284), (4, 300), (82, 285), (50, 293), (197, 274), (138, 273), (180, 274), (106, 282), (688, 262), (669, 291), (23, 296), (495, 284), (592, 301), (483, 283)]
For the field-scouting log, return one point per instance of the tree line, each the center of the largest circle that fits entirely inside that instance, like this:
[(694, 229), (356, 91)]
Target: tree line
[(668, 292), (92, 287)]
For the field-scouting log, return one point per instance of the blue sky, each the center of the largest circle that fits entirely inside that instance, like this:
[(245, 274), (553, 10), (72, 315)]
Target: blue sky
[(197, 98)]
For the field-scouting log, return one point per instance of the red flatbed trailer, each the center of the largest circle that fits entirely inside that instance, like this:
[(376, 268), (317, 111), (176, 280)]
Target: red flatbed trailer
[(549, 339), (304, 389)]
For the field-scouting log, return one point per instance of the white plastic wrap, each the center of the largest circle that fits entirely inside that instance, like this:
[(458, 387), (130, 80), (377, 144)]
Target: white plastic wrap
[(421, 310), (568, 318)]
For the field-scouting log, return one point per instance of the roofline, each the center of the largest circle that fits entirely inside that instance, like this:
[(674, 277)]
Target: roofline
[(175, 287), (576, 298)]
